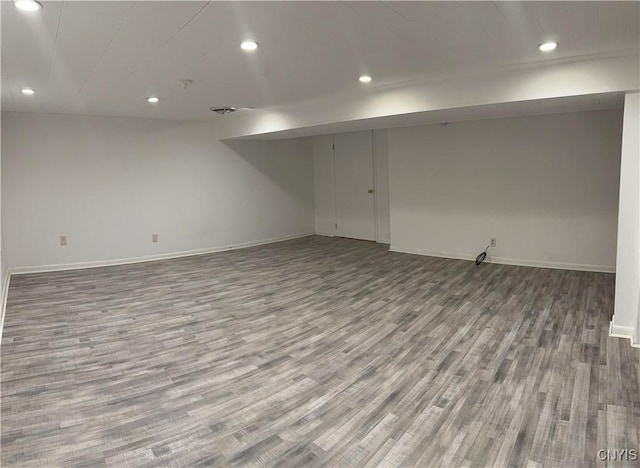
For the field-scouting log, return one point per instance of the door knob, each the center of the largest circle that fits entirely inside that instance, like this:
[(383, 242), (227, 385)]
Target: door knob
[(370, 190)]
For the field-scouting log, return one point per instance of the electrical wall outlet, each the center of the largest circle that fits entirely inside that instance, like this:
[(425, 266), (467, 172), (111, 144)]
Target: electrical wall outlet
[(154, 237), (63, 240), (492, 242)]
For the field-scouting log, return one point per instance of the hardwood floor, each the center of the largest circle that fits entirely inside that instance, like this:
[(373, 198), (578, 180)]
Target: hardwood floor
[(317, 351)]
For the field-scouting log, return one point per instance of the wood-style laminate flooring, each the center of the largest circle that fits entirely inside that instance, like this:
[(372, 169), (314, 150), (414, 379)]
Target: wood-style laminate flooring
[(317, 351)]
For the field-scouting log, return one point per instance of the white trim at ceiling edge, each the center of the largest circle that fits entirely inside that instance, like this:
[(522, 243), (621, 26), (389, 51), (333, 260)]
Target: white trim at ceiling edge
[(617, 331), (5, 293), (150, 258), (508, 261)]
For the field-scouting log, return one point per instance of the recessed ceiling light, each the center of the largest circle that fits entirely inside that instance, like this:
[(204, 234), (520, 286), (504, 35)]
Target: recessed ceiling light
[(365, 79), (27, 5), (153, 99), (548, 46), (28, 91), (249, 45)]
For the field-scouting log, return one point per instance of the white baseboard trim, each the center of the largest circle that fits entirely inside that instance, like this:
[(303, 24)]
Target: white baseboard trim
[(331, 234), (3, 305), (617, 331), (149, 258), (508, 261)]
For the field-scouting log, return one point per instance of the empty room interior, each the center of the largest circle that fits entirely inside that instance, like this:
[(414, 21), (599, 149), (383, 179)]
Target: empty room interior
[(320, 233)]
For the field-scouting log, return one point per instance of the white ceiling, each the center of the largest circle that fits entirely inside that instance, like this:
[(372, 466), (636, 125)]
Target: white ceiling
[(559, 105), (103, 58)]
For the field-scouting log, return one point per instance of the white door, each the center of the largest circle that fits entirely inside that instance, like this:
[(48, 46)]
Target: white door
[(355, 208)]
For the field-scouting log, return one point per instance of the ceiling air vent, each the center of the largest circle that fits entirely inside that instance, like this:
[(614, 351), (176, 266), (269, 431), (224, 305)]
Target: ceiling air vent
[(223, 110)]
